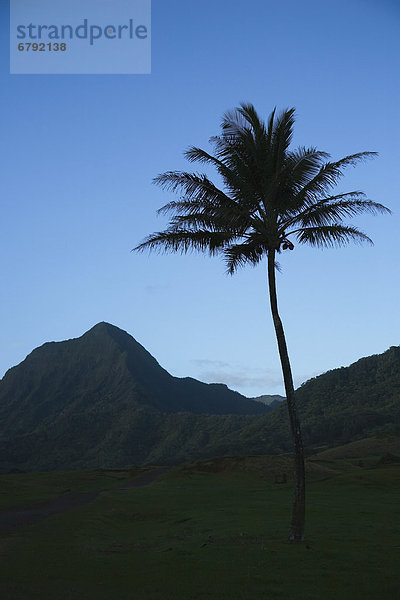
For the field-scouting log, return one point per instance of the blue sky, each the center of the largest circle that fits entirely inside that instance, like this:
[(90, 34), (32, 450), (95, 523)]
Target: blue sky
[(78, 154)]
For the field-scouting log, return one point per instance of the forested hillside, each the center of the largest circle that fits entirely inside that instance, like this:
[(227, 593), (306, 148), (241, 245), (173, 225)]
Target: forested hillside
[(103, 400)]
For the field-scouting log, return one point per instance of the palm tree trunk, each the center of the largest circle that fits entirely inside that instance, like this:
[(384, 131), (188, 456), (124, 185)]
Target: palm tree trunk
[(298, 514)]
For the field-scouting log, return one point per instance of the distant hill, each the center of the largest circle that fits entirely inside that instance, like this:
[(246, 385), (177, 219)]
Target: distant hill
[(342, 405), (273, 401), (350, 402), (103, 400)]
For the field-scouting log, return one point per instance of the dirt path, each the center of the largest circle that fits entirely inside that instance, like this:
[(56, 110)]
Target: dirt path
[(12, 520)]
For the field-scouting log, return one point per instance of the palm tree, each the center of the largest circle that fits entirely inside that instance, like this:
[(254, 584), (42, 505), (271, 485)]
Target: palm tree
[(271, 195)]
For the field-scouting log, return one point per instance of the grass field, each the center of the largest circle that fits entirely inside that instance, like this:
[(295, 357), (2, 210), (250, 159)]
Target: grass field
[(212, 530)]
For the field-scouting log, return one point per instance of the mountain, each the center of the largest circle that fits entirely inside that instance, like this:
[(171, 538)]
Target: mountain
[(338, 407), (272, 401), (103, 401), (86, 390), (104, 367), (351, 402)]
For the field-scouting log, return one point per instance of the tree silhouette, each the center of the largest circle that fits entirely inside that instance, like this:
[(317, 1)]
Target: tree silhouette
[(271, 195)]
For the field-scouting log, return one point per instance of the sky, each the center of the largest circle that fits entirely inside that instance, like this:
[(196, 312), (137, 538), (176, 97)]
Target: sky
[(79, 152)]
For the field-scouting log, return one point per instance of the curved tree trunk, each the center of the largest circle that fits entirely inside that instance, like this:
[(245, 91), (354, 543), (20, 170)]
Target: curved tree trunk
[(298, 514)]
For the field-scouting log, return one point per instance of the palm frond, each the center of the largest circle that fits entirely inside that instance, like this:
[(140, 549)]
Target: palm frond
[(193, 185), (328, 236), (232, 168), (234, 222), (257, 126), (184, 241), (282, 136), (327, 177), (302, 165), (335, 208), (233, 124), (194, 154), (185, 207), (238, 255), (270, 127)]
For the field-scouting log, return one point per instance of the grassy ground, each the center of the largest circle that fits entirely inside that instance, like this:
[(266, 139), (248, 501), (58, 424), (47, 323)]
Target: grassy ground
[(23, 489), (214, 530)]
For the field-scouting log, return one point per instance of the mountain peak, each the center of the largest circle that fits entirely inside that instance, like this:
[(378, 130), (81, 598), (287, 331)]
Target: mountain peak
[(105, 366), (104, 327), (103, 331)]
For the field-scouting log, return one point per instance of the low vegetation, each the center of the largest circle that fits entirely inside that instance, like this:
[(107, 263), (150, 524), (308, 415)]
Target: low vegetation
[(212, 529)]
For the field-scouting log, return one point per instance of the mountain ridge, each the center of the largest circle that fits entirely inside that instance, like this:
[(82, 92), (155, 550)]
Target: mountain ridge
[(104, 364), (126, 409)]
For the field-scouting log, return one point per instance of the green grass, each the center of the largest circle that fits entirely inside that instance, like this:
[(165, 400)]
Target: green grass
[(200, 535), (24, 489)]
